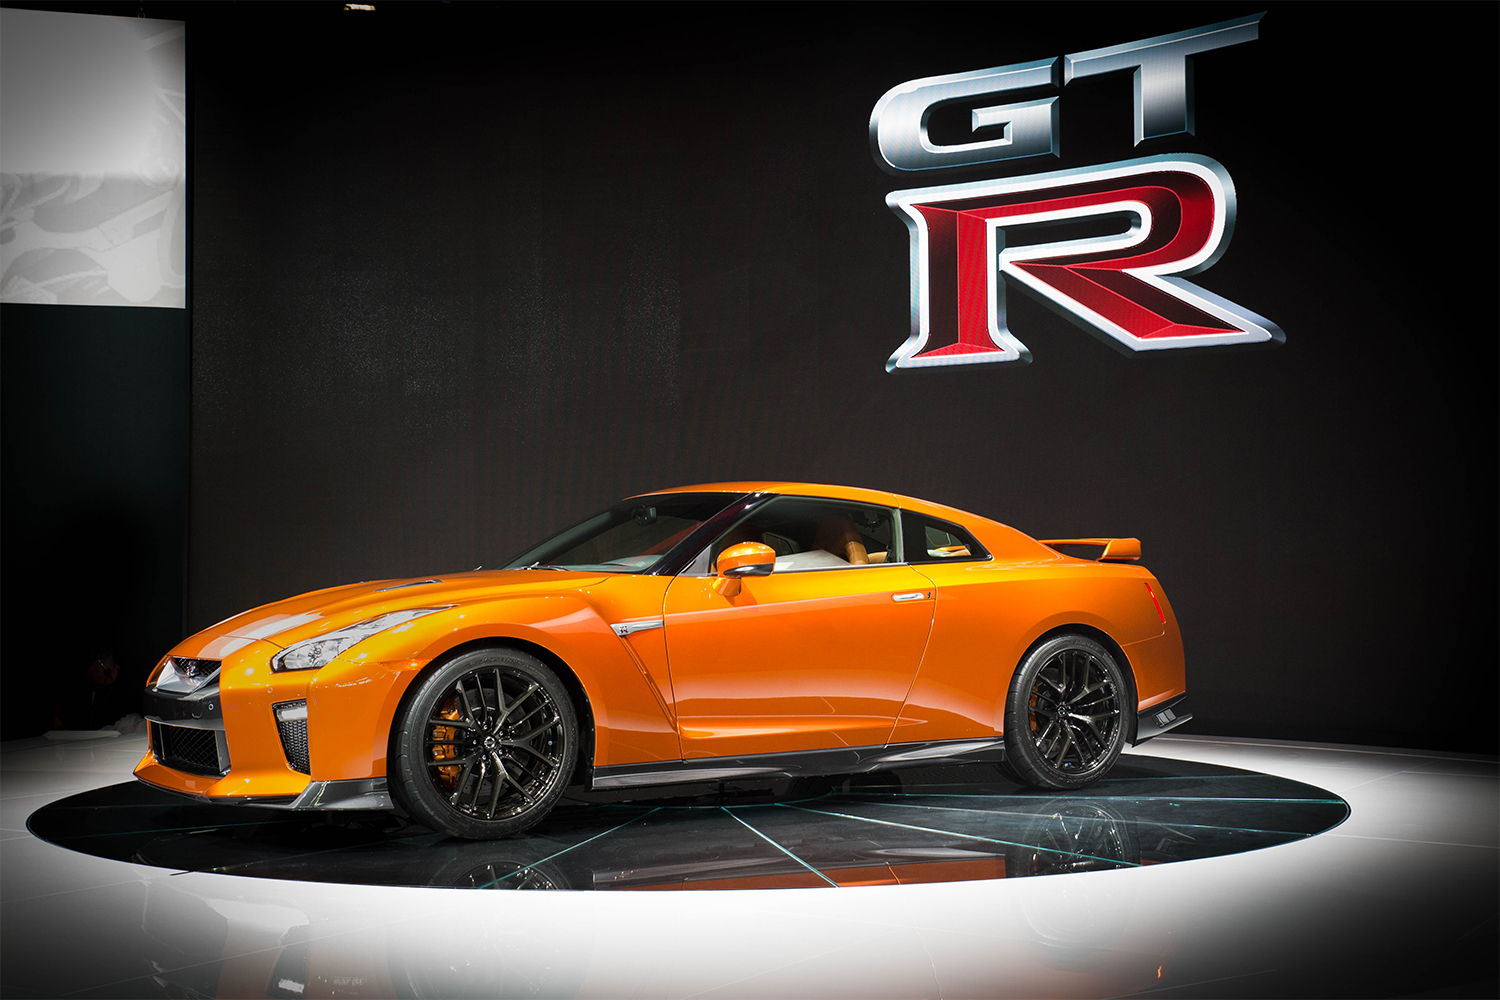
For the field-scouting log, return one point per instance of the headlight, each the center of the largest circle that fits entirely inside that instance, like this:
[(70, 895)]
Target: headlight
[(310, 654)]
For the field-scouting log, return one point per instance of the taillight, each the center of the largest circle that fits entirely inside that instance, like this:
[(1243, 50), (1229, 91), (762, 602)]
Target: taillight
[(1159, 613)]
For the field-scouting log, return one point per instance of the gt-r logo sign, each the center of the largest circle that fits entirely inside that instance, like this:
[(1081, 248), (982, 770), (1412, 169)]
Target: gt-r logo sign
[(1148, 221), (1125, 286)]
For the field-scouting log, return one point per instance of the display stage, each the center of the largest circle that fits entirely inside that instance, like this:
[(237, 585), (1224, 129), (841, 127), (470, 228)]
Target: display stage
[(893, 828), (1200, 868)]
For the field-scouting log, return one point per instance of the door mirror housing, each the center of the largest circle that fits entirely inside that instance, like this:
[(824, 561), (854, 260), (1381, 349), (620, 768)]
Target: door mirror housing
[(744, 559)]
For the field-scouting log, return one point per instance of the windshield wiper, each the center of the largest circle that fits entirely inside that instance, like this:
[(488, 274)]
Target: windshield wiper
[(542, 565)]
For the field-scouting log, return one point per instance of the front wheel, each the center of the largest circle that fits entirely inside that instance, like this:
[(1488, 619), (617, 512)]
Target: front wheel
[(485, 745), (1065, 714)]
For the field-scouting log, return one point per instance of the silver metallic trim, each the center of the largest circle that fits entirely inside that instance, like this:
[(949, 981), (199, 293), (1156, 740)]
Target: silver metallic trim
[(354, 793), (401, 586), (1162, 71), (917, 595), (641, 625), (899, 139)]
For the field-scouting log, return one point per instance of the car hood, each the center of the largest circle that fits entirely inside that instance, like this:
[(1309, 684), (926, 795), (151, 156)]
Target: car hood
[(295, 619)]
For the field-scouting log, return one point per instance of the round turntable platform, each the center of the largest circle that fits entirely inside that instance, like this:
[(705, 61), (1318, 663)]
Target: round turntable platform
[(921, 825)]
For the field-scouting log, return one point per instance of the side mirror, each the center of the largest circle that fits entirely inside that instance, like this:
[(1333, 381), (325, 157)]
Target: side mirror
[(744, 559)]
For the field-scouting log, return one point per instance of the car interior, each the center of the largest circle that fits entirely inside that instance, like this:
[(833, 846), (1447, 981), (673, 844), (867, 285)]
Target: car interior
[(811, 534)]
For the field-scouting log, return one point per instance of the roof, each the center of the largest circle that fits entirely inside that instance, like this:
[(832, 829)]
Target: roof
[(855, 493)]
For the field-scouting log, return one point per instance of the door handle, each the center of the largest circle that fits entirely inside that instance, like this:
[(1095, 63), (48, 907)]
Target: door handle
[(916, 595)]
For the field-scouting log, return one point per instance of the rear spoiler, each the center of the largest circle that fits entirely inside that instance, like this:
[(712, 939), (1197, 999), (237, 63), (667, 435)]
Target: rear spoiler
[(1115, 549)]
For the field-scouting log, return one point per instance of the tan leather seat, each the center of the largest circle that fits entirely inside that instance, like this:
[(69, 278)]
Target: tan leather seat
[(839, 536)]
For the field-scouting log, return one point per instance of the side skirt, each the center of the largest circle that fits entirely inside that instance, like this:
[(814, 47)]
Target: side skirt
[(842, 760)]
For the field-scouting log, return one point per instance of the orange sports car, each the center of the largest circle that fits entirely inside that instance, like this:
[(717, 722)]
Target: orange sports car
[(703, 634)]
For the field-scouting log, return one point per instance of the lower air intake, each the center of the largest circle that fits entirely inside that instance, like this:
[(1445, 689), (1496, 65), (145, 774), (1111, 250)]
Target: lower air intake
[(193, 750), (291, 723)]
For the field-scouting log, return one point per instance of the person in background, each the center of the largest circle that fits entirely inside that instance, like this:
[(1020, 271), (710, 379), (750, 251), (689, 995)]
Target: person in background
[(93, 696)]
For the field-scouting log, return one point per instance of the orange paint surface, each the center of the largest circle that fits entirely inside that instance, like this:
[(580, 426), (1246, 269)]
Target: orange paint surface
[(802, 660), (795, 661)]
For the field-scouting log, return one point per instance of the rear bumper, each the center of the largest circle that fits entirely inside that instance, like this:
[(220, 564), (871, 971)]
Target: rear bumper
[(1161, 718)]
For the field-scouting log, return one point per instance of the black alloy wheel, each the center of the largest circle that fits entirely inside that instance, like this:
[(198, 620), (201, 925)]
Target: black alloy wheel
[(485, 745), (466, 871), (1073, 835), (1065, 714)]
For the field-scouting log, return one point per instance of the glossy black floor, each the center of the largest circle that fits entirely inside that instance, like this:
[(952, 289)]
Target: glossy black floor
[(921, 825)]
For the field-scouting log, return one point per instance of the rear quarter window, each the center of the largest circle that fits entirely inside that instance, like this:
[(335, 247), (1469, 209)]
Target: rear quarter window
[(927, 540)]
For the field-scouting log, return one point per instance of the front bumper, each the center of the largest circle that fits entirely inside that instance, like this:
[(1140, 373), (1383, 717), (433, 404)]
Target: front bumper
[(225, 741), (351, 793), (187, 730)]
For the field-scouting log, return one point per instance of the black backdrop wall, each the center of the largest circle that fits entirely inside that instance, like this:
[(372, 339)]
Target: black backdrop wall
[(458, 280), (95, 432)]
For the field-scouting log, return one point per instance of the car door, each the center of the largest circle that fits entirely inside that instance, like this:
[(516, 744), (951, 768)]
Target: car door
[(818, 655)]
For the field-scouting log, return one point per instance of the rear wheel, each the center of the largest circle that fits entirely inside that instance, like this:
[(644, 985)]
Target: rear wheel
[(1065, 714), (485, 745)]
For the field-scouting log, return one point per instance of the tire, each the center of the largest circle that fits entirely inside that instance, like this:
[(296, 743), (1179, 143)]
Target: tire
[(512, 755), (1045, 750)]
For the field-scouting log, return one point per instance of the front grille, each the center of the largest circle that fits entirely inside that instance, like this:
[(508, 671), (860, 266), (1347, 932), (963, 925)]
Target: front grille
[(291, 723), (193, 750)]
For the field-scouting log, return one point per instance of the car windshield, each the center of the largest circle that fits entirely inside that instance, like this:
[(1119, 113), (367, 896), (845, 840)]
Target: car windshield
[(630, 537)]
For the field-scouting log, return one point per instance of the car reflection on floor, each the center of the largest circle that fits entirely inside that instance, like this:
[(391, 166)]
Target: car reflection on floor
[(922, 825), (298, 938)]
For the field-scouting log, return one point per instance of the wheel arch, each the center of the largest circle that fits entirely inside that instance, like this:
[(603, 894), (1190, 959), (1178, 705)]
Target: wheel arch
[(576, 693), (1114, 649)]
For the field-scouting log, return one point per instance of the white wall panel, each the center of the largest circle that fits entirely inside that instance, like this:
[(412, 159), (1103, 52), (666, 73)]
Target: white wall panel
[(92, 160)]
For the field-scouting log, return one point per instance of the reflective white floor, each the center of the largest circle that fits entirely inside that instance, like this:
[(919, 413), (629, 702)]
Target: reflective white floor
[(1400, 900)]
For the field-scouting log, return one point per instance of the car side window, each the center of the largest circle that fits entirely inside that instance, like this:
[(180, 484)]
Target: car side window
[(928, 540), (815, 534)]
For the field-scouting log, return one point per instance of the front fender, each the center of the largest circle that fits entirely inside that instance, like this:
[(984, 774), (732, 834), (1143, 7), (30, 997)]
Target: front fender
[(354, 700)]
